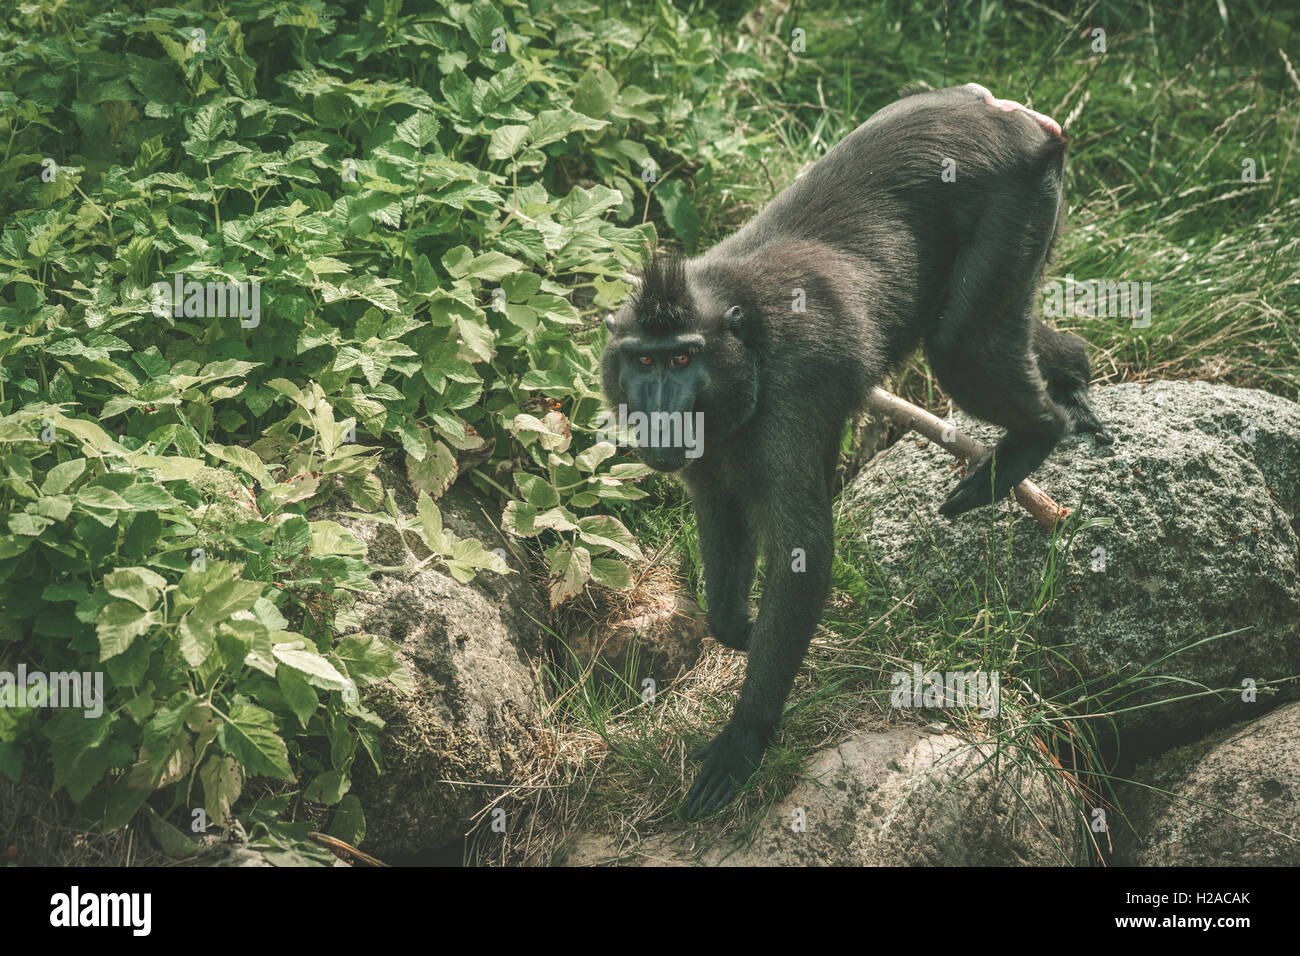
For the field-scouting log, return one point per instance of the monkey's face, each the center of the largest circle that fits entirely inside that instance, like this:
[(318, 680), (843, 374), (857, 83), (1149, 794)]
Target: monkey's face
[(678, 390)]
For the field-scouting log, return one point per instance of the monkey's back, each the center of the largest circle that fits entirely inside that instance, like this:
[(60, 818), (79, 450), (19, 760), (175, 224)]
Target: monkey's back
[(876, 223)]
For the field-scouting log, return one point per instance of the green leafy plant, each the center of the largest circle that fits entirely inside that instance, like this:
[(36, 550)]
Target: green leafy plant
[(426, 208)]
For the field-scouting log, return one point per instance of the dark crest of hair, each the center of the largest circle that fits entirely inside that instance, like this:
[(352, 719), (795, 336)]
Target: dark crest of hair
[(661, 303)]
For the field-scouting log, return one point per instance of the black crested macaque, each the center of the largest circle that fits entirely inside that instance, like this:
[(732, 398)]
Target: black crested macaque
[(930, 223)]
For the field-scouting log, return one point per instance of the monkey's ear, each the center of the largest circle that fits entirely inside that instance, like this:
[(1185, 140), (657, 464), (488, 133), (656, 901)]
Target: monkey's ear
[(734, 318), (609, 321)]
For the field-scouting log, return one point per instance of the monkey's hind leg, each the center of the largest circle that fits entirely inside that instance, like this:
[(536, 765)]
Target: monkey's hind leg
[(982, 353), (1063, 360)]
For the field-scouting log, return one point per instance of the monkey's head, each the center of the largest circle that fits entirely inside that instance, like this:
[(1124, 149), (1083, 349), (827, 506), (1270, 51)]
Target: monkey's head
[(680, 368)]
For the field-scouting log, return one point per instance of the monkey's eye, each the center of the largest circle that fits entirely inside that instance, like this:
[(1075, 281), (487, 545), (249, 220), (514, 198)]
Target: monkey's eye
[(645, 360), (679, 360)]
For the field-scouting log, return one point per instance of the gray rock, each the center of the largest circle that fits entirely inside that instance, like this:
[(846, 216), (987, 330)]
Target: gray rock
[(1202, 494), (473, 652), (1236, 800), (897, 797)]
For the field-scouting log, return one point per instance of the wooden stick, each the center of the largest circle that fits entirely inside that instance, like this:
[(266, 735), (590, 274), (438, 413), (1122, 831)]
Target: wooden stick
[(1032, 498)]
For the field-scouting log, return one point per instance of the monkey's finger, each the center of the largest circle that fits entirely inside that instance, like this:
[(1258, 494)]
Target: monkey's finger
[(695, 799), (719, 794), (1099, 432), (711, 790), (962, 500)]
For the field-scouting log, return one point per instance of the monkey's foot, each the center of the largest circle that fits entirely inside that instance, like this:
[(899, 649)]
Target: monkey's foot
[(733, 633), (1085, 419), (975, 490), (730, 759), (991, 475), (984, 483)]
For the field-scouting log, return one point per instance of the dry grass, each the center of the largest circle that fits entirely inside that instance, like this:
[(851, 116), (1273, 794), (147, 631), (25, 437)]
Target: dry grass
[(39, 832)]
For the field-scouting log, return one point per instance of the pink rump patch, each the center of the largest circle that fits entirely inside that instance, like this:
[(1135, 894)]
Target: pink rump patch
[(1008, 106)]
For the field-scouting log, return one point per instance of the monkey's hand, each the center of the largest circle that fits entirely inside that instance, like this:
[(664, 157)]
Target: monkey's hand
[(730, 759), (732, 632)]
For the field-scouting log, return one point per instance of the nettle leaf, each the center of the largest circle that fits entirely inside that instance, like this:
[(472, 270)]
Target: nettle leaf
[(206, 127), (144, 496), (570, 571), (477, 336), (140, 586), (490, 266), (298, 694), (97, 497), (370, 659), (330, 537), (537, 491), (418, 130), (481, 19), (248, 733), (119, 624), (556, 519), (292, 537), (520, 519), (605, 531), (629, 470), (29, 525), (60, 187), (551, 126), (307, 661), (80, 750), (596, 93), (349, 822), (242, 458), (552, 432), (506, 141), (215, 607), (328, 788), (157, 81), (223, 781), (611, 573), (371, 288), (436, 472), (469, 556), (590, 459), (583, 204), (431, 525)]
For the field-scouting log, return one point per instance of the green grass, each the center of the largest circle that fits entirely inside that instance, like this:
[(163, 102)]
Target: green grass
[(1159, 126)]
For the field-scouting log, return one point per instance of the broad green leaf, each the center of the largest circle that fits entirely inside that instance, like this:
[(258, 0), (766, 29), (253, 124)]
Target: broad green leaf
[(605, 531), (506, 141), (223, 782), (318, 671), (140, 586), (553, 125), (248, 733), (431, 524), (611, 573), (120, 623), (570, 570), (435, 474), (58, 478)]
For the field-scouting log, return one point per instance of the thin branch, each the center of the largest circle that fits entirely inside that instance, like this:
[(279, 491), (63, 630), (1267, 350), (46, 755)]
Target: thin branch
[(1032, 498)]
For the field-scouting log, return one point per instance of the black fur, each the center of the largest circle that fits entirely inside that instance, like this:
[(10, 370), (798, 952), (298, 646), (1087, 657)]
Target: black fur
[(889, 256)]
